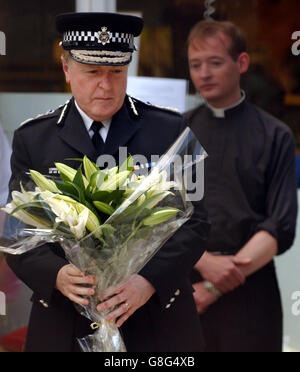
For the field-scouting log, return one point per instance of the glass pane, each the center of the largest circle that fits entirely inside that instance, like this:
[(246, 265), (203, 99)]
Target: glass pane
[(32, 60), (273, 81)]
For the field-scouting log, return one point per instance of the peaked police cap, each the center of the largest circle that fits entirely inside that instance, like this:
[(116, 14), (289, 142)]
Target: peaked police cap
[(99, 38)]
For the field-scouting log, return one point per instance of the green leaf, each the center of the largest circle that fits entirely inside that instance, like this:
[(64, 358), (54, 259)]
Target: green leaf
[(107, 197), (81, 194), (107, 230), (78, 179), (143, 233), (75, 159), (92, 208), (63, 228), (68, 189), (24, 206), (38, 210)]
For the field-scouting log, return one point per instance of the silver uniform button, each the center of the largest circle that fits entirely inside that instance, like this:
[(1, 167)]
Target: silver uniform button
[(167, 307), (44, 303), (177, 293), (172, 299)]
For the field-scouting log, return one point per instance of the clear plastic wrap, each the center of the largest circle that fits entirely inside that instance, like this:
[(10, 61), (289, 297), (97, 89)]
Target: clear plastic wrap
[(153, 210)]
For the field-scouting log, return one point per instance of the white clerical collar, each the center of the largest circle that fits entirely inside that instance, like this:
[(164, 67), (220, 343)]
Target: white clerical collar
[(220, 112), (88, 123)]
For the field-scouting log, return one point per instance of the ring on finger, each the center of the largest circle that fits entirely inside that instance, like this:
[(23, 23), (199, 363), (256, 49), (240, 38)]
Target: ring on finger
[(127, 305)]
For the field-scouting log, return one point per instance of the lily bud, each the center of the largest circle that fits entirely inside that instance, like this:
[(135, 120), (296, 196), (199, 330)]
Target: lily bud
[(44, 183), (89, 168), (104, 207), (115, 181), (69, 173), (92, 221), (160, 216)]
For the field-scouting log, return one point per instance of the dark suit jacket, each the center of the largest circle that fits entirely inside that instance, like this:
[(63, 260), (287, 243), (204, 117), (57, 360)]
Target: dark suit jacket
[(168, 322)]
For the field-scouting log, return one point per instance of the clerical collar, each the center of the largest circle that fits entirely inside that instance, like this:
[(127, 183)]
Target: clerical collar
[(221, 112), (88, 121)]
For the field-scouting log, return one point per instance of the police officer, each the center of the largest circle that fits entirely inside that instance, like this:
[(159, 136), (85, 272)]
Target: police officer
[(155, 308)]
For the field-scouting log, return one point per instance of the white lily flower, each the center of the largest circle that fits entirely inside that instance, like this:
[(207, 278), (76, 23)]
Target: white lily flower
[(67, 213), (24, 216), (73, 214), (24, 197), (70, 217), (79, 229)]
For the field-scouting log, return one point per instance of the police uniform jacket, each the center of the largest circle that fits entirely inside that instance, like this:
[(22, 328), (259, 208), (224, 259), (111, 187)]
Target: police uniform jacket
[(169, 321)]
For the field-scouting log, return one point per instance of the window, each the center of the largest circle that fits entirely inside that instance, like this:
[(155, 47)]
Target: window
[(32, 60), (273, 81)]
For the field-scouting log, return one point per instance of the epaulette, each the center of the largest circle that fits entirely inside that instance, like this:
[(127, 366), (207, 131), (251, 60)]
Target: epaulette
[(64, 112), (43, 116), (38, 117), (134, 101)]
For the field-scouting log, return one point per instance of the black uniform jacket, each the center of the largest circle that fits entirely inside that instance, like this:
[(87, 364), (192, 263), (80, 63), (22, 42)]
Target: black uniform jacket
[(169, 321)]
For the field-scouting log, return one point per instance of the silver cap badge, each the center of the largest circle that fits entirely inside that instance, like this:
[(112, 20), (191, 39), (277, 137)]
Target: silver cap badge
[(104, 36)]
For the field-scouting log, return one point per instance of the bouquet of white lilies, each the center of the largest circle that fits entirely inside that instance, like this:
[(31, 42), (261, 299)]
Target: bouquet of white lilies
[(79, 204), (109, 222)]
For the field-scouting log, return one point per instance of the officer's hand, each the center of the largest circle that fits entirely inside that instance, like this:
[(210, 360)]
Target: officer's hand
[(69, 282), (128, 298)]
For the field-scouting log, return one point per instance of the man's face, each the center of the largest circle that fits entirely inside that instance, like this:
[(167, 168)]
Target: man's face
[(215, 74), (98, 90)]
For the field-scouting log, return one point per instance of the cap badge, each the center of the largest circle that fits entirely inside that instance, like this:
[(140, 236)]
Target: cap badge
[(104, 36)]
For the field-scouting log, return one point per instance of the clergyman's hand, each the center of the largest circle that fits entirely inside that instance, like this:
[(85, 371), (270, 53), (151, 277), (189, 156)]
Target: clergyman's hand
[(203, 299), (70, 282), (127, 298), (222, 271)]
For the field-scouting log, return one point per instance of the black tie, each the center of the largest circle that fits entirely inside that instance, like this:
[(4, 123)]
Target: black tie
[(97, 139)]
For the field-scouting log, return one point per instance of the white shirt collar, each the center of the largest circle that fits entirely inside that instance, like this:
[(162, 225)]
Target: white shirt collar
[(220, 112), (88, 123)]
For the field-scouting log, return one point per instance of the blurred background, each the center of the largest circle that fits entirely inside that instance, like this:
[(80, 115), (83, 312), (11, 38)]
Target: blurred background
[(32, 82)]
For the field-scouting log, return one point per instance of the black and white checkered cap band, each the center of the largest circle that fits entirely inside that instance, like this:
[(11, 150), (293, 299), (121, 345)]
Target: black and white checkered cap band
[(93, 37)]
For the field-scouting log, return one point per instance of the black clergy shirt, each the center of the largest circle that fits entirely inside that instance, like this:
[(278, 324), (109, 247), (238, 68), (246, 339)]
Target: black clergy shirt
[(250, 176)]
